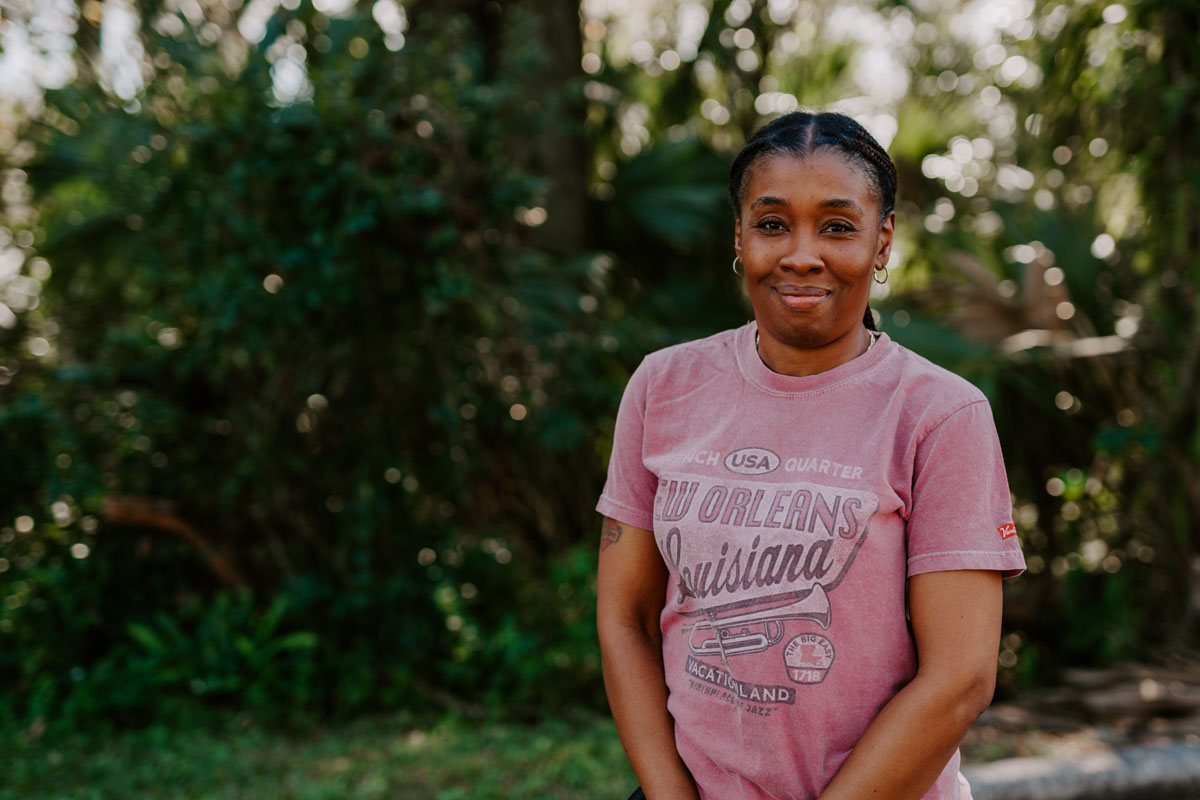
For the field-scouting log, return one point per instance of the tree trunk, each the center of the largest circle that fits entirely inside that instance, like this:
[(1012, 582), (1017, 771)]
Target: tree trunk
[(558, 154), (560, 151)]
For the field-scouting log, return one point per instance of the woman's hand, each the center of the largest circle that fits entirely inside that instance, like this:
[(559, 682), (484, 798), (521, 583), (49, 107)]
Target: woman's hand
[(956, 624), (631, 585)]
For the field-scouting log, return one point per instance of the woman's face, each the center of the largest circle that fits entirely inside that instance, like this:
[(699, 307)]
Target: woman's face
[(810, 238)]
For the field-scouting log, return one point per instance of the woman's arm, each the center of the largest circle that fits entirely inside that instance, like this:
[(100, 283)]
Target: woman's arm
[(956, 624), (631, 585)]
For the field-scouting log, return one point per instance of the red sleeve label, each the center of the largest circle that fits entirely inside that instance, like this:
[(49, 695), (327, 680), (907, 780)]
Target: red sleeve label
[(1007, 531)]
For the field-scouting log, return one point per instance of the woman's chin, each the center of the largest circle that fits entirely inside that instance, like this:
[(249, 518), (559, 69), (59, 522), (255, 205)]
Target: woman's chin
[(804, 338)]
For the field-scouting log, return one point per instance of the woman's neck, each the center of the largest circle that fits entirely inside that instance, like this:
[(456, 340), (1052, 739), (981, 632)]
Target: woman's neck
[(800, 362)]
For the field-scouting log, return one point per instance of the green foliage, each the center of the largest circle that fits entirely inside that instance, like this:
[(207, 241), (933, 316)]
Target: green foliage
[(229, 650), (547, 631), (304, 386)]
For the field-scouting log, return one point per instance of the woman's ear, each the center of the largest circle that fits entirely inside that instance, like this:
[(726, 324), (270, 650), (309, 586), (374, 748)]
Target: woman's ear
[(884, 249)]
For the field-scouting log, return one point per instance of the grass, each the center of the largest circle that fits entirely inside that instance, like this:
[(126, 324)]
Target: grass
[(392, 756), (384, 757)]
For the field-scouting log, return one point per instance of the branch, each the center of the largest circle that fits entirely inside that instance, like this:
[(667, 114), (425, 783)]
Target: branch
[(154, 513)]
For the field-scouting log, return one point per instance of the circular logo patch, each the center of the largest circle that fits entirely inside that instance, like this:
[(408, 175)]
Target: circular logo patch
[(752, 461), (808, 658)]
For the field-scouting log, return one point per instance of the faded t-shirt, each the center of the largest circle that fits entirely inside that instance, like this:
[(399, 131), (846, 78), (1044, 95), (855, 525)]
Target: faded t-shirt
[(789, 513)]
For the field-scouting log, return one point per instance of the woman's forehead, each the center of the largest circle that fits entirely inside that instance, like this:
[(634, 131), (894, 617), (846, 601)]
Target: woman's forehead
[(823, 170)]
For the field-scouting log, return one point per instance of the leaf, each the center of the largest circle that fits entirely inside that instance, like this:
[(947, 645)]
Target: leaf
[(145, 636), (300, 640)]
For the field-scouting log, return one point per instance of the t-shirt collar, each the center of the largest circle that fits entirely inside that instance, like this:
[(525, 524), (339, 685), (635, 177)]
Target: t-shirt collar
[(759, 373)]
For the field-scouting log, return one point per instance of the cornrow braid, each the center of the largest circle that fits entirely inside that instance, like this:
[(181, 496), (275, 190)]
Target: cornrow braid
[(800, 133)]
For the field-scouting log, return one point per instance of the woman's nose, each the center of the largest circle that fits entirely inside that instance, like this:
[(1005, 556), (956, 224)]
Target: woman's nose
[(803, 254)]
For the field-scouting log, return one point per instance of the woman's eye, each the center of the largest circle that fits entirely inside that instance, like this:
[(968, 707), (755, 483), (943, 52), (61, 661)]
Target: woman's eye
[(769, 225), (839, 227)]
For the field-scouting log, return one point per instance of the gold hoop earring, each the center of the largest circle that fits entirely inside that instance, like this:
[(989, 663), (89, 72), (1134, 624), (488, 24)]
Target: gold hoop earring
[(883, 269), (733, 266)]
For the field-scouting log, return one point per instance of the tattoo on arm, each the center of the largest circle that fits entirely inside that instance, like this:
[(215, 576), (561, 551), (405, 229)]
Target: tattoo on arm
[(610, 534)]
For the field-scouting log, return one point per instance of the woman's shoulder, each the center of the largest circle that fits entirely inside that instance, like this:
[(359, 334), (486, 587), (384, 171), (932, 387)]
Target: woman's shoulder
[(715, 348), (693, 363), (927, 385)]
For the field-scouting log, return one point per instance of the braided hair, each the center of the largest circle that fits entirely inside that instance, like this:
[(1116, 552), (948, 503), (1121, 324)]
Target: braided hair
[(800, 134)]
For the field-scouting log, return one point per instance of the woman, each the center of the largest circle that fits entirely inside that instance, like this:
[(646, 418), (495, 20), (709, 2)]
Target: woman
[(806, 525)]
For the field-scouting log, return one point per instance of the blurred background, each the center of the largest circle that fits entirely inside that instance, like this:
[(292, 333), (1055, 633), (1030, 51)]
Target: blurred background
[(315, 315)]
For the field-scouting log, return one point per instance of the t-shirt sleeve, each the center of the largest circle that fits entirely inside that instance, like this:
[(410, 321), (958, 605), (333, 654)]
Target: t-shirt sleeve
[(961, 514), (628, 494)]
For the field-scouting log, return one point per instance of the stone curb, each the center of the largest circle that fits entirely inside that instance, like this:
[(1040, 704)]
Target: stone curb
[(1169, 772)]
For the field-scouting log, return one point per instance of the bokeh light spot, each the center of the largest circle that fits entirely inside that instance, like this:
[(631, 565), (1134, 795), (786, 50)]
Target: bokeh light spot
[(1103, 246), (1114, 13)]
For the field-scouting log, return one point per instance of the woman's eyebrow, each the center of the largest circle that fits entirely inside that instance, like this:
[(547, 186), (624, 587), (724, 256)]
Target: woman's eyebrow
[(833, 202), (767, 200), (841, 202)]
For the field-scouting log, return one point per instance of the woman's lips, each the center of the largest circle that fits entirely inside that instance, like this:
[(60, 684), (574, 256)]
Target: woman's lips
[(801, 298)]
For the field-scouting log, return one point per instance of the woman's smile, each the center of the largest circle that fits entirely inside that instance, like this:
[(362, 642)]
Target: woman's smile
[(801, 298)]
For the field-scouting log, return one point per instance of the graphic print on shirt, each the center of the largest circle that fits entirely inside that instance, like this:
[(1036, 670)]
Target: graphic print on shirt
[(749, 556)]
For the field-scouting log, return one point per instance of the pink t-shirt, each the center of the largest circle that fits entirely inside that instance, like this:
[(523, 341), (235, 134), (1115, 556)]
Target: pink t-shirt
[(789, 513)]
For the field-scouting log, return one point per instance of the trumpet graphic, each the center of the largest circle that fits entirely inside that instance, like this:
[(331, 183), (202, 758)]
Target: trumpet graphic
[(739, 634)]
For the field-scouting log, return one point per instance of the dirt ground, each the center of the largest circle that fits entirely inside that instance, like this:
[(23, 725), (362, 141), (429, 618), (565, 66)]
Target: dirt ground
[(1092, 711)]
